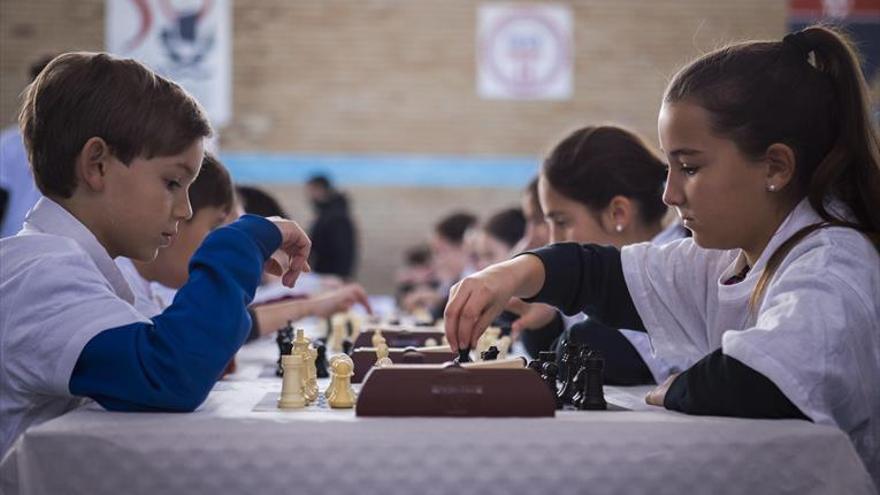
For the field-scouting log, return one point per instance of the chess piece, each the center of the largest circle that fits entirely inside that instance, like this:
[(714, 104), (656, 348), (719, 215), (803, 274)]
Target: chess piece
[(430, 342), (311, 385), (284, 339), (464, 356), (548, 373), (569, 367), (333, 360), (593, 397), (536, 366), (547, 357), (341, 395), (384, 362), (301, 348), (292, 396), (490, 354), (377, 337), (347, 345), (381, 352), (580, 379), (321, 362), (503, 345)]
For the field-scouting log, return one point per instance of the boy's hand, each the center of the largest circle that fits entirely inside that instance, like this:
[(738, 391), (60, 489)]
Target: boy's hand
[(292, 257)]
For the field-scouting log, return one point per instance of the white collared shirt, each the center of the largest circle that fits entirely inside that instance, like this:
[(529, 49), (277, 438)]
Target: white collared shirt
[(59, 288), (815, 334), (146, 298)]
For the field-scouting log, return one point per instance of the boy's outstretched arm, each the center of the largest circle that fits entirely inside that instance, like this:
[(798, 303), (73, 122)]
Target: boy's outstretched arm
[(174, 362)]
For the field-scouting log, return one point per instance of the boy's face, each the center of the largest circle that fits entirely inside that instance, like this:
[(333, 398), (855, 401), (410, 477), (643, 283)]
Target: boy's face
[(144, 201), (174, 259)]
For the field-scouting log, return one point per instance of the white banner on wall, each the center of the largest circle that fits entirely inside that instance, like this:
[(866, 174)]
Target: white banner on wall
[(524, 51), (187, 41)]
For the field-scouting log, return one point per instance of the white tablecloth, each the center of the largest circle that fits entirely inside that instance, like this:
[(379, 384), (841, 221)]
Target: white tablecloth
[(228, 447)]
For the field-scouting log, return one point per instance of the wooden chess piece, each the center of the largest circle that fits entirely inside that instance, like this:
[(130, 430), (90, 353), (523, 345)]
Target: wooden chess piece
[(342, 395), (382, 352), (548, 373), (503, 345), (333, 360), (311, 386), (430, 342), (321, 362), (291, 385), (377, 337), (594, 395)]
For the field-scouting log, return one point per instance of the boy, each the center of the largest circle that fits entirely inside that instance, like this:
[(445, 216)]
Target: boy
[(114, 149), (211, 195)]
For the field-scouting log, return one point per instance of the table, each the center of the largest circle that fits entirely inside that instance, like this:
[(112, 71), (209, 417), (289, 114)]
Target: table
[(227, 447)]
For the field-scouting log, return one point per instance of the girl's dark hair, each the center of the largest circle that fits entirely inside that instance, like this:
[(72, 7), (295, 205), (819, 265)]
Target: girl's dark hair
[(807, 92), (508, 226), (533, 199), (596, 163)]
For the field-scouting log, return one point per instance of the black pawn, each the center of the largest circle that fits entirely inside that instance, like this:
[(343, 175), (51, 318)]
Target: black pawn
[(321, 361), (593, 393), (490, 354), (284, 339), (536, 365), (548, 373), (347, 345), (569, 368), (464, 355)]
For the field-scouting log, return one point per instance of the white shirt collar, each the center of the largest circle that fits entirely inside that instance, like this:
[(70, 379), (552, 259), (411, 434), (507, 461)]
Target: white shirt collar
[(49, 217)]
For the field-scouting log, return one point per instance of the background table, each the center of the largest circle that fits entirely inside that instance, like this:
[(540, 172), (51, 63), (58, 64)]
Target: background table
[(228, 447)]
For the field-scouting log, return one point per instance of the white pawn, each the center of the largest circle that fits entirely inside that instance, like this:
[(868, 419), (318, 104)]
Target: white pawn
[(291, 385), (341, 394), (430, 342), (333, 360), (382, 352), (377, 337), (503, 345)]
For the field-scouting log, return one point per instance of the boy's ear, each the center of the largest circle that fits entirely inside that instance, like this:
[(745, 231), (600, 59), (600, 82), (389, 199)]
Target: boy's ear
[(92, 163), (781, 165)]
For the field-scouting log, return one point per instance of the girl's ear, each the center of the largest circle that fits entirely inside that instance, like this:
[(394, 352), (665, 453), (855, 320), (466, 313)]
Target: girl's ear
[(618, 215), (781, 166), (91, 164)]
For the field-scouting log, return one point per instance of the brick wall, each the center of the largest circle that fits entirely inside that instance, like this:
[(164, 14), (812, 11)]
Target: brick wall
[(398, 76)]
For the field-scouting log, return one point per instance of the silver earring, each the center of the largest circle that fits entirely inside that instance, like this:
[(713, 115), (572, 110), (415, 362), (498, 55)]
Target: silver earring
[(771, 187), (618, 228)]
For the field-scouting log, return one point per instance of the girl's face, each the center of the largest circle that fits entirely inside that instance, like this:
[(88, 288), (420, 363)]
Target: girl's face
[(570, 220), (719, 193), (537, 231), (489, 250)]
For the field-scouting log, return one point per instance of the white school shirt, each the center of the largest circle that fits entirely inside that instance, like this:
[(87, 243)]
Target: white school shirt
[(146, 298), (815, 334), (661, 367), (58, 289)]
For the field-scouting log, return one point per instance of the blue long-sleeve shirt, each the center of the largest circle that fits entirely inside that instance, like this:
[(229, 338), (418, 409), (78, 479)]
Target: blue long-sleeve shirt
[(171, 363)]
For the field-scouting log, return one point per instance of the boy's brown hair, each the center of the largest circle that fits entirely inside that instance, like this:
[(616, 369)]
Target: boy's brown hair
[(212, 187), (83, 95)]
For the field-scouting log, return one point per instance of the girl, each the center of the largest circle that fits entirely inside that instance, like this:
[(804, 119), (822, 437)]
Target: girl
[(603, 184), (774, 168)]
